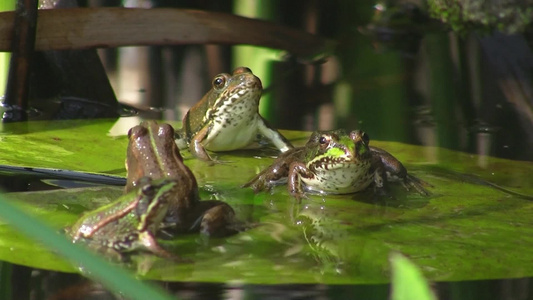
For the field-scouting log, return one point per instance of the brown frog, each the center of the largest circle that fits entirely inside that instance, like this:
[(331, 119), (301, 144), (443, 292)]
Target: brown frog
[(153, 153)]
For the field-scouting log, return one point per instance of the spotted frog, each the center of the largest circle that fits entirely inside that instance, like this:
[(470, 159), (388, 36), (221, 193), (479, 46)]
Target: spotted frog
[(153, 153), (227, 118), (130, 222), (336, 162)]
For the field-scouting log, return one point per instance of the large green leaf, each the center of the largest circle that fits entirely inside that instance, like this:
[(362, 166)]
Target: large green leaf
[(465, 230)]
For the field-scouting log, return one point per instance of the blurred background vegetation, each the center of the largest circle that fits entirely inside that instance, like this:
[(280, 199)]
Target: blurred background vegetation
[(398, 71)]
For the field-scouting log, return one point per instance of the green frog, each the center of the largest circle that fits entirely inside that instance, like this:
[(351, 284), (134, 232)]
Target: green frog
[(153, 153), (130, 222), (336, 162), (227, 118)]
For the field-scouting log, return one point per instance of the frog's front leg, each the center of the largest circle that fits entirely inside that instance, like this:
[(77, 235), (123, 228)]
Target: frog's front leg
[(266, 179), (274, 136), (149, 242), (379, 177), (196, 148), (180, 138), (298, 170)]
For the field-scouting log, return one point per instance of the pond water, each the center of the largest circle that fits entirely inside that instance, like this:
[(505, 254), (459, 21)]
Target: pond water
[(47, 284)]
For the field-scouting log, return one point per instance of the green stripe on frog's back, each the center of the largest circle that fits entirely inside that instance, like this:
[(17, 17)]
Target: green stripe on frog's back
[(158, 204)]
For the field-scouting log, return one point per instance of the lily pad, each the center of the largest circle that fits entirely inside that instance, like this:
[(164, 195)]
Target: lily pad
[(467, 229)]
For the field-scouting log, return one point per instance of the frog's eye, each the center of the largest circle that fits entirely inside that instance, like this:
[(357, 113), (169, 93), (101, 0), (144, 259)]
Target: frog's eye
[(219, 82), (241, 70), (166, 130), (148, 190), (323, 140), (137, 131)]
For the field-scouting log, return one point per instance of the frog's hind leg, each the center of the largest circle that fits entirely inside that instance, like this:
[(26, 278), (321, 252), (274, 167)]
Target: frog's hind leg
[(215, 219)]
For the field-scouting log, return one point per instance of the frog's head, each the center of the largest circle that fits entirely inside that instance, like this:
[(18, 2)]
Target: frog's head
[(151, 152), (334, 149), (154, 197), (228, 89)]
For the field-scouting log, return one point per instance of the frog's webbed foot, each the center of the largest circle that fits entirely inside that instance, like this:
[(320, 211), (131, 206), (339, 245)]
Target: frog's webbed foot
[(180, 139), (215, 161), (299, 196), (381, 191), (210, 160), (412, 182), (266, 180), (197, 150), (150, 243), (297, 192)]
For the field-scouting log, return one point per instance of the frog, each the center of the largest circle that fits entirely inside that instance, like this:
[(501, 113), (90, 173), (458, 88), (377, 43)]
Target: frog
[(227, 118), (128, 223), (153, 153), (336, 162)]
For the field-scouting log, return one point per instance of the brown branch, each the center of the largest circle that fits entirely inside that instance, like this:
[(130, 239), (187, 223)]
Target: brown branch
[(79, 28), (23, 26)]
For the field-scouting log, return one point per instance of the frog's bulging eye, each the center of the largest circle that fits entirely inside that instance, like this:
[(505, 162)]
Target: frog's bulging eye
[(323, 140), (359, 136), (166, 130), (219, 82), (137, 131), (241, 70), (148, 190)]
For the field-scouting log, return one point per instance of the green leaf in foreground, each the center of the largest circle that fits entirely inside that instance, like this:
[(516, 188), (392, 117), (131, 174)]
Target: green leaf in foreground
[(407, 281), (112, 277)]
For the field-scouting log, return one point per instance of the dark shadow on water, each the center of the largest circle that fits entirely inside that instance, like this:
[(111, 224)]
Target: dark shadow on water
[(27, 283)]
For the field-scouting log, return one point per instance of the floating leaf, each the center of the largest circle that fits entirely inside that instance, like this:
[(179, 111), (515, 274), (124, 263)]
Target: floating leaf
[(466, 230)]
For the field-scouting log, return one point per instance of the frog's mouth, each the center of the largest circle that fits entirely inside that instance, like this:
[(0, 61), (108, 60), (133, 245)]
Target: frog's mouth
[(243, 91), (240, 94), (343, 158)]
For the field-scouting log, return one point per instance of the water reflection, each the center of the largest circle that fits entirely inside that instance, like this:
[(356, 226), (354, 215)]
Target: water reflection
[(38, 284)]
